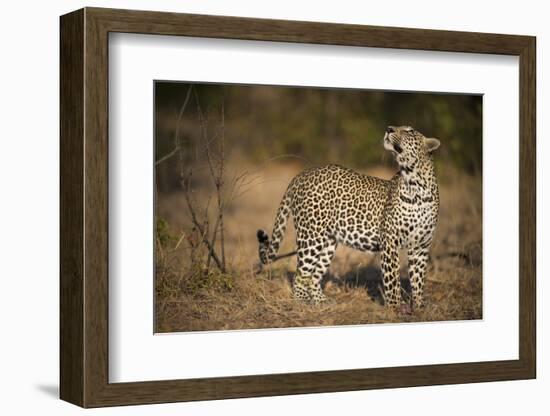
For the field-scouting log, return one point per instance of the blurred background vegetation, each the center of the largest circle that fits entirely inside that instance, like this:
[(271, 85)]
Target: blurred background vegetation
[(241, 146), (315, 125)]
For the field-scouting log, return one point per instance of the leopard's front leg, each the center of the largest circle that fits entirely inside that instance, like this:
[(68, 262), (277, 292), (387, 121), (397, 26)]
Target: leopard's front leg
[(418, 264), (390, 273)]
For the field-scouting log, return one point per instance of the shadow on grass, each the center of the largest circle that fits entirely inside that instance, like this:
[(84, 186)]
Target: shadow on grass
[(368, 277)]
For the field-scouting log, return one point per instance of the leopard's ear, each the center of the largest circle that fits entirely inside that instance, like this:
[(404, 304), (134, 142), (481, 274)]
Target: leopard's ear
[(432, 144)]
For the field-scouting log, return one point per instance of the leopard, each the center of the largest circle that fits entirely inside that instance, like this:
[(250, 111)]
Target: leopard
[(332, 205)]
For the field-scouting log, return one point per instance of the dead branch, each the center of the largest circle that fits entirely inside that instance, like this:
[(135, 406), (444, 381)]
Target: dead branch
[(201, 229), (221, 183), (217, 172), (185, 181), (215, 158), (167, 156), (206, 142), (177, 133)]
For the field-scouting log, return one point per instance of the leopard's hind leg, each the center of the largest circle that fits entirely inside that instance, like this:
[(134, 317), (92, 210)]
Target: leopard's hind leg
[(321, 266), (314, 256)]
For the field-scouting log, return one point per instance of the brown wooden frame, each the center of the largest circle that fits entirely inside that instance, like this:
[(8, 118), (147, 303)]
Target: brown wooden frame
[(84, 207)]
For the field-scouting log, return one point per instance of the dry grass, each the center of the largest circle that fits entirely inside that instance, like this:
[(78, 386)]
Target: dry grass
[(187, 300)]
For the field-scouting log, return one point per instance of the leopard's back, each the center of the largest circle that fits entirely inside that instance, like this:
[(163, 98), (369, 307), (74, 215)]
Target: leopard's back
[(339, 202)]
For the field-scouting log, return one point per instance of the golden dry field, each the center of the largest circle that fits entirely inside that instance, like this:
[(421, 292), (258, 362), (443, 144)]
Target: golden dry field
[(188, 299)]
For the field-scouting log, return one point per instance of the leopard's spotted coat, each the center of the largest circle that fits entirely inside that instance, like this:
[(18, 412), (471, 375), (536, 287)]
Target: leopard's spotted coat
[(334, 205)]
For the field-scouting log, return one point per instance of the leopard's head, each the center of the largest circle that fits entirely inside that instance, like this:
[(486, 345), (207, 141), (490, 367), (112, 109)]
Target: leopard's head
[(408, 145)]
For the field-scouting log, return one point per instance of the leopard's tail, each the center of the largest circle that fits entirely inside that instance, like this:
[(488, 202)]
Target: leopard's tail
[(268, 249)]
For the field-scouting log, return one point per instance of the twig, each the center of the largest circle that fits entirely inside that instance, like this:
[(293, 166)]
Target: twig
[(159, 245), (221, 183), (206, 141), (177, 145), (185, 181), (179, 241), (202, 232), (217, 174), (168, 156)]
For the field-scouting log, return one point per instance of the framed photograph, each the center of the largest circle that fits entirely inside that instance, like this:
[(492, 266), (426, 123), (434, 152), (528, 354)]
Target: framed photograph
[(256, 207)]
